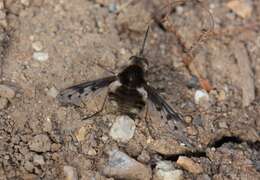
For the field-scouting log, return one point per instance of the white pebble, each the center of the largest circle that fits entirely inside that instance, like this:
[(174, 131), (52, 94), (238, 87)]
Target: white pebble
[(70, 173), (201, 98), (40, 56), (123, 129), (166, 171), (179, 10), (37, 46)]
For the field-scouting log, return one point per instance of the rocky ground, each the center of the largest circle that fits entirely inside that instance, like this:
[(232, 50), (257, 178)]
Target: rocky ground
[(49, 45)]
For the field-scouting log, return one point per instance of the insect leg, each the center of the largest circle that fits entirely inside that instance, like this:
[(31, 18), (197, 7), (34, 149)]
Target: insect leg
[(98, 111), (106, 69), (150, 133)]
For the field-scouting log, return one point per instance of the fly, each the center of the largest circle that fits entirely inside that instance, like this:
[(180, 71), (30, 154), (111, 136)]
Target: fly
[(129, 89)]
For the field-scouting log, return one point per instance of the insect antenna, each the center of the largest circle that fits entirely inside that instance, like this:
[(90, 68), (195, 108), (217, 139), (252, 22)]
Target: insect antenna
[(143, 45)]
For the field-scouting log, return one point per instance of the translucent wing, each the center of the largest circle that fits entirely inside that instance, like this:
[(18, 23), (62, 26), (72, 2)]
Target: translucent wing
[(74, 94), (159, 109), (162, 105)]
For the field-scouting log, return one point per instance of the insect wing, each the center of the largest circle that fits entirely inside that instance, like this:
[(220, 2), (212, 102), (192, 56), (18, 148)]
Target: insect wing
[(161, 105), (159, 109), (74, 94)]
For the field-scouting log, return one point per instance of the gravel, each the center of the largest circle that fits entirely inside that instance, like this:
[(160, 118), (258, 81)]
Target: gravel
[(6, 91), (40, 143)]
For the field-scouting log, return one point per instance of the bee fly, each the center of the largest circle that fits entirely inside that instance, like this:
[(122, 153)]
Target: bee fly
[(128, 89)]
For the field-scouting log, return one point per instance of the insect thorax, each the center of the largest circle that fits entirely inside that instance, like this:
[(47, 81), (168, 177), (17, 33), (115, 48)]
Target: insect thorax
[(132, 77)]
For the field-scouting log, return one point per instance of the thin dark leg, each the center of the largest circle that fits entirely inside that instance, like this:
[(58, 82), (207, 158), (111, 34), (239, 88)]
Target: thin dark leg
[(98, 111), (106, 69), (147, 123)]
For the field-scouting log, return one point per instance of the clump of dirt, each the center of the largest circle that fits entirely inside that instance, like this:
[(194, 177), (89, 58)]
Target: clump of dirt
[(49, 45)]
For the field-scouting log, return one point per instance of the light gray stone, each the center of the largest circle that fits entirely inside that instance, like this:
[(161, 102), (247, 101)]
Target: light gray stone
[(123, 129), (121, 166), (70, 173), (40, 56)]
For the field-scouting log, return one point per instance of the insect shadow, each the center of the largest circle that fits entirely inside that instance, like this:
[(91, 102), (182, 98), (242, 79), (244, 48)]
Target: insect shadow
[(128, 89)]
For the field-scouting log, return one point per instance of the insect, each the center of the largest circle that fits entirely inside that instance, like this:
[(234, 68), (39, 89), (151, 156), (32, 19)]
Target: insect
[(129, 89)]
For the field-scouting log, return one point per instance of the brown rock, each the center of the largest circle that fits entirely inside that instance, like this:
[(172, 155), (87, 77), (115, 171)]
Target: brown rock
[(167, 146), (6, 91), (241, 7), (189, 165)]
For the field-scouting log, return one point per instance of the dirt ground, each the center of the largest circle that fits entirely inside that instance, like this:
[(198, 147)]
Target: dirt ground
[(49, 45)]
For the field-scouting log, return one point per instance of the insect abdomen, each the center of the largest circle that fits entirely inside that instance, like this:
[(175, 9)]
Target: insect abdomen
[(129, 101)]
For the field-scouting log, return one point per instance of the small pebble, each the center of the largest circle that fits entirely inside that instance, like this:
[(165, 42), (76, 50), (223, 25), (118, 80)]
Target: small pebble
[(144, 157), (55, 147), (165, 171), (38, 159), (40, 56), (52, 92), (37, 46), (202, 98), (191, 130), (193, 82), (121, 166), (3, 103), (28, 166), (40, 143), (47, 125), (92, 152), (221, 95), (112, 7), (223, 125), (123, 129), (179, 10), (104, 138), (25, 2), (189, 165), (70, 173), (188, 119), (81, 133), (6, 91)]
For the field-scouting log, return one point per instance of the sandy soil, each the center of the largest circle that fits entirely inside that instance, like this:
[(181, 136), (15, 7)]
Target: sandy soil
[(49, 45)]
